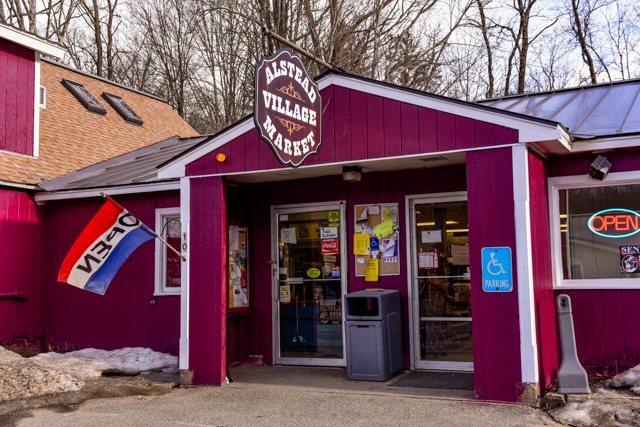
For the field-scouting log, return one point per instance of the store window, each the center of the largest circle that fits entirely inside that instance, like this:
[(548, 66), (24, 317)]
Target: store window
[(168, 263), (596, 232)]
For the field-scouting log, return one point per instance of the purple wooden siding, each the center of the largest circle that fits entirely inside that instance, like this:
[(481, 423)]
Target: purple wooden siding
[(606, 321), (124, 316), (387, 187), (544, 304), (361, 126), (207, 295), (22, 225), (17, 74), (496, 331)]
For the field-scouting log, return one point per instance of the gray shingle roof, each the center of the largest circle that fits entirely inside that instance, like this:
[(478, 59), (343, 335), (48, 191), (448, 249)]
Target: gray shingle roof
[(139, 166), (600, 110)]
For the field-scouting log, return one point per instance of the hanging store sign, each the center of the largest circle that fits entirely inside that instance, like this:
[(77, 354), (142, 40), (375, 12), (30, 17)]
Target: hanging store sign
[(615, 223), (287, 108)]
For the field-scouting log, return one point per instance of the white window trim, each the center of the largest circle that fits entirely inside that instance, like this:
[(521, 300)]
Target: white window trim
[(160, 251), (582, 181)]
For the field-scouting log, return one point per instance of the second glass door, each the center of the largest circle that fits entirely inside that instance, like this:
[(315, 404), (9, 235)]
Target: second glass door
[(310, 284), (441, 284)]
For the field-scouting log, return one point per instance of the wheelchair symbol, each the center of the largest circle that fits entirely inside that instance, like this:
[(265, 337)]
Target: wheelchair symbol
[(493, 265)]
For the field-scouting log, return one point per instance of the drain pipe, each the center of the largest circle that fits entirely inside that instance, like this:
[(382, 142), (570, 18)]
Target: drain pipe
[(572, 378)]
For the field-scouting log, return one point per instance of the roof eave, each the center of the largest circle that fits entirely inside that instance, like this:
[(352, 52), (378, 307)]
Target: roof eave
[(31, 41)]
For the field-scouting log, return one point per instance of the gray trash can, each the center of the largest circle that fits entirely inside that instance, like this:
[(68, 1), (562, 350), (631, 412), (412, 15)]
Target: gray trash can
[(373, 335)]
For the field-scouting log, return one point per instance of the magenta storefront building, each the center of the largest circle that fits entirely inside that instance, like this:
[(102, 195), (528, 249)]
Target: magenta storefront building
[(472, 213)]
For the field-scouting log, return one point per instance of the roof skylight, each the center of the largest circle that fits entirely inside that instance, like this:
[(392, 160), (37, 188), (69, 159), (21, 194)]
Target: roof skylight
[(122, 108), (82, 94)]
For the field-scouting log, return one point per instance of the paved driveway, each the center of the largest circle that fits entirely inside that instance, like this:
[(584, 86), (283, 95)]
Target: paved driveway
[(268, 396)]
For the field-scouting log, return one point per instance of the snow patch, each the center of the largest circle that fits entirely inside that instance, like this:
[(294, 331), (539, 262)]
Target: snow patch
[(128, 360), (629, 378), (21, 378), (576, 412), (49, 373)]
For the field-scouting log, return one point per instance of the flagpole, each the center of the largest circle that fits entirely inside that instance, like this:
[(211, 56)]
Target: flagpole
[(172, 248), (159, 238)]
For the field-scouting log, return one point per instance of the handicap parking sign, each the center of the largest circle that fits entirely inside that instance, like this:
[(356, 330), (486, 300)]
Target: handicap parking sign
[(497, 270)]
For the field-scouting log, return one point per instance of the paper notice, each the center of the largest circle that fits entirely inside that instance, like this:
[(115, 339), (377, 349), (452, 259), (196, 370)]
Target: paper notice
[(427, 260), (285, 294), (328, 232), (383, 229), (389, 247), (371, 272), (431, 236), (288, 235), (373, 210), (361, 244), (363, 216), (390, 213), (460, 254)]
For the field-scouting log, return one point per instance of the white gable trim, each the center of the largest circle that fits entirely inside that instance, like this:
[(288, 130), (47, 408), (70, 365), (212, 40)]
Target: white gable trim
[(530, 130), (31, 41), (611, 143)]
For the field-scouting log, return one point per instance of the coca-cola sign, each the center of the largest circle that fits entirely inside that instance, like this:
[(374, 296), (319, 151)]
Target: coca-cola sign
[(330, 247), (287, 108)]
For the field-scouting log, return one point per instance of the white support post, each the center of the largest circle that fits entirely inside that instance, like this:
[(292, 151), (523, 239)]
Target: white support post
[(185, 220), (528, 345)]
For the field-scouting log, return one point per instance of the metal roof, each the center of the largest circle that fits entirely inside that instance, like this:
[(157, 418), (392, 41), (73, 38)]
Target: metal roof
[(136, 167), (600, 110)]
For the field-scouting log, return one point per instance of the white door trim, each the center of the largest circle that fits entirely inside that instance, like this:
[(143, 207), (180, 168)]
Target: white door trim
[(413, 308), (344, 274)]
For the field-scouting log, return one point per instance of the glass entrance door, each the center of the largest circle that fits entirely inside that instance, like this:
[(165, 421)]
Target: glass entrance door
[(309, 283), (441, 286)]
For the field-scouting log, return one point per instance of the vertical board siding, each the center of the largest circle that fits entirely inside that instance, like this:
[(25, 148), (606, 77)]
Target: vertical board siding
[(207, 281), (17, 74), (495, 315), (392, 128), (607, 324), (342, 135), (124, 316), (358, 125), (362, 126), (22, 261), (544, 302)]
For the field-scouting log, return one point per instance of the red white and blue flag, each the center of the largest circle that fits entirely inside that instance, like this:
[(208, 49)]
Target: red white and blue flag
[(102, 247)]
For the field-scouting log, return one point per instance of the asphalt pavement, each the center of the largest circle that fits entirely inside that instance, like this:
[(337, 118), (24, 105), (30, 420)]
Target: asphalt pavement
[(290, 396)]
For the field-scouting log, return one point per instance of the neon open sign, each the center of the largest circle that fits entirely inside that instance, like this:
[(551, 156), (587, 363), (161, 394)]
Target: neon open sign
[(615, 223)]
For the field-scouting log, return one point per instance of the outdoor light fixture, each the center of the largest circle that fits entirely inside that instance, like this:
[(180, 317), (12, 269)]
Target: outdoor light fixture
[(352, 173), (599, 168), (221, 157)]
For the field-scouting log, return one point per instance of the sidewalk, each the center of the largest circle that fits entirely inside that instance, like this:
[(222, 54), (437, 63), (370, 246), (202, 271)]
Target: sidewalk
[(291, 396)]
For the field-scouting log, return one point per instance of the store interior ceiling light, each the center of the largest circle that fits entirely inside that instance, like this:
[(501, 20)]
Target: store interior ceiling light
[(423, 224)]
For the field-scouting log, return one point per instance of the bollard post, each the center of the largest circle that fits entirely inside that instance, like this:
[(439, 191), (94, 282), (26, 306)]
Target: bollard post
[(572, 378)]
